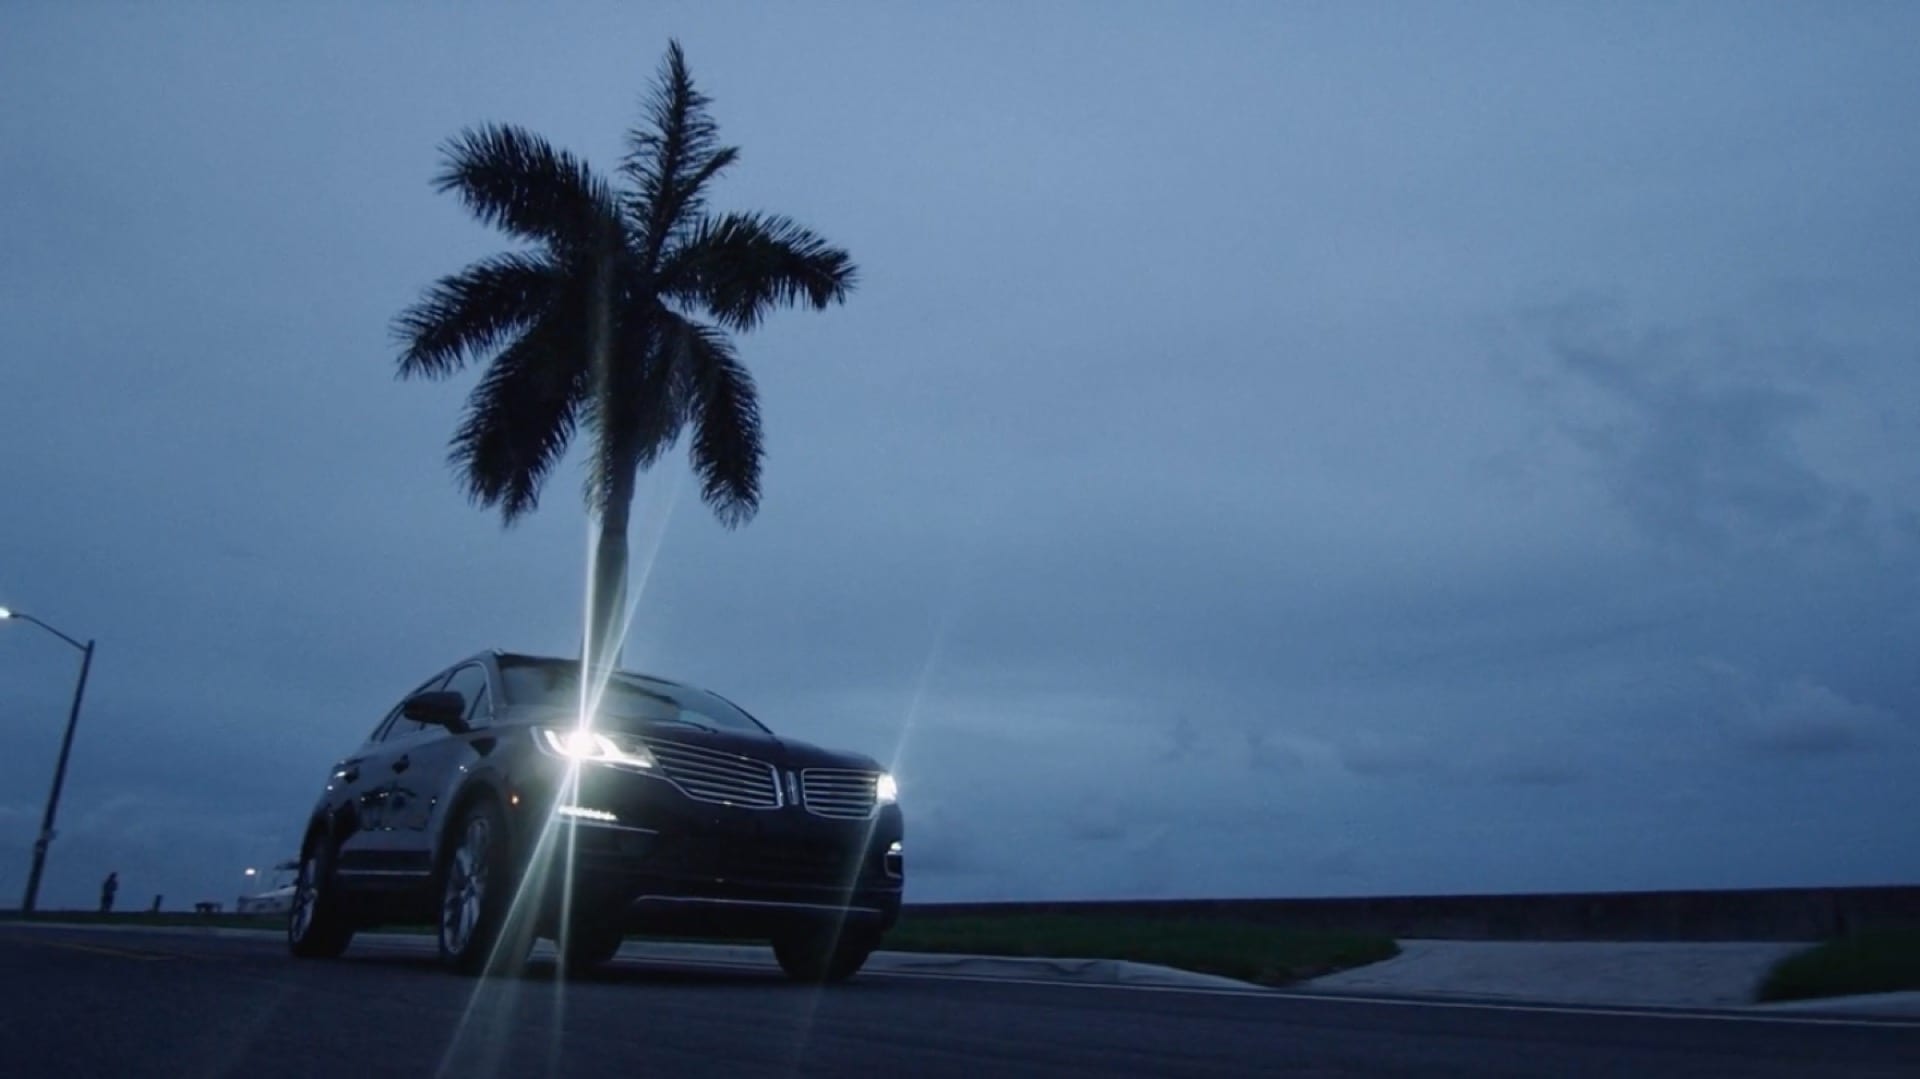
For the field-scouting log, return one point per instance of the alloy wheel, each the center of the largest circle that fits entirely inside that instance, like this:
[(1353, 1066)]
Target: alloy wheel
[(305, 896), (466, 893)]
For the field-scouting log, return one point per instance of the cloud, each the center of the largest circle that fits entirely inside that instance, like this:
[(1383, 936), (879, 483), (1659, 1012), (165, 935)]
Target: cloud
[(1794, 718), (1381, 755), (1345, 863), (19, 820), (1182, 739), (1268, 753), (1162, 572), (1804, 719), (1104, 823), (1526, 758), (1694, 447), (1554, 767), (943, 843)]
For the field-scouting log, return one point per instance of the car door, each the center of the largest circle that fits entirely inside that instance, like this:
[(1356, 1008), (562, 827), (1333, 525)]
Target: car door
[(426, 774), (360, 791), (384, 766)]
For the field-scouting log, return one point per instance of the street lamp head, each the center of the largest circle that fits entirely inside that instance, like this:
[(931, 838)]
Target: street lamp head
[(5, 614)]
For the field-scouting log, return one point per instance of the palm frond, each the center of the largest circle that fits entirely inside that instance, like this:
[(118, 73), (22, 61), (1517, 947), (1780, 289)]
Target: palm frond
[(663, 396), (724, 409), (518, 182), (638, 408), (595, 328), (740, 266), (465, 316), (672, 155), (521, 417), (691, 206)]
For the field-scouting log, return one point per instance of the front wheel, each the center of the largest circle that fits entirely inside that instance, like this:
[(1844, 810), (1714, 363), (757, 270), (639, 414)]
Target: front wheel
[(828, 954), (586, 948), (476, 897), (316, 926)]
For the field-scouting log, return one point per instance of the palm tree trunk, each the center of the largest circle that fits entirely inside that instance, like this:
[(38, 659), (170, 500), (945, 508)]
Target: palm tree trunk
[(607, 609), (607, 595)]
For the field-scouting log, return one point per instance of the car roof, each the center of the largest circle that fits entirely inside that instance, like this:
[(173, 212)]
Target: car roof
[(500, 656)]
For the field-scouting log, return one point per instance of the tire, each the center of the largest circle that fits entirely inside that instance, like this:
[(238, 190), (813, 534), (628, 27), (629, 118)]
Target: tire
[(587, 947), (317, 927), (824, 955), (476, 887)]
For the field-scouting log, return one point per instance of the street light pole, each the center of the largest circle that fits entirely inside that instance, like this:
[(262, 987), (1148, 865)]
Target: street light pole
[(60, 769)]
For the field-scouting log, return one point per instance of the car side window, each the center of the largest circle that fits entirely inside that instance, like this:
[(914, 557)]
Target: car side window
[(470, 682), (480, 712), (399, 726), (385, 726)]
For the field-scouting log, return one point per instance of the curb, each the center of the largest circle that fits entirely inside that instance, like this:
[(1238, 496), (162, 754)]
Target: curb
[(932, 964), (760, 957), (1900, 1004), (1080, 971)]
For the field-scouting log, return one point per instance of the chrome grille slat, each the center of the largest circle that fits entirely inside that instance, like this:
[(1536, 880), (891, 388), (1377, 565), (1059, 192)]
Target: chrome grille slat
[(709, 775), (703, 770), (840, 792)]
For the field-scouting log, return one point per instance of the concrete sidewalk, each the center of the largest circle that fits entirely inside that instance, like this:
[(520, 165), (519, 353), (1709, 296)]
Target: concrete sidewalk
[(1647, 974)]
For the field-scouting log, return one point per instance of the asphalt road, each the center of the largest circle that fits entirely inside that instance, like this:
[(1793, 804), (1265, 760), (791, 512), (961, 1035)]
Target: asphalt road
[(124, 1003)]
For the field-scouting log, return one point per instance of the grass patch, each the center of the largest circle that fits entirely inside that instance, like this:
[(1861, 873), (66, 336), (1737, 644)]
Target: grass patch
[(1874, 961), (1249, 951)]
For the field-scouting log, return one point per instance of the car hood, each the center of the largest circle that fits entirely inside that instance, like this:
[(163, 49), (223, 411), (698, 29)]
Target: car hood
[(775, 749)]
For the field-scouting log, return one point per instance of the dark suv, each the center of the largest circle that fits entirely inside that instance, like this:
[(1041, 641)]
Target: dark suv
[(482, 804)]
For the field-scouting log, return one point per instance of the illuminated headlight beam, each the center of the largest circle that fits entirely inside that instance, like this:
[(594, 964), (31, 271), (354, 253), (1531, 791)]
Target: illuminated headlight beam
[(580, 744)]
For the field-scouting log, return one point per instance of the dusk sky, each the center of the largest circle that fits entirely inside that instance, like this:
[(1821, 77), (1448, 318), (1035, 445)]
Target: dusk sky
[(1274, 449)]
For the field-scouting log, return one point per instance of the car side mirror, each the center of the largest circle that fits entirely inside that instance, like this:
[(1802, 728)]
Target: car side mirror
[(439, 708)]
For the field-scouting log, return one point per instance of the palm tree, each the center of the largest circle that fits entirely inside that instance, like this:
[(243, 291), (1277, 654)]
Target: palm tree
[(614, 315)]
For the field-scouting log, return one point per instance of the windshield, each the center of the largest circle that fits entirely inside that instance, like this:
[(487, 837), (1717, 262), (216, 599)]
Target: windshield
[(629, 698)]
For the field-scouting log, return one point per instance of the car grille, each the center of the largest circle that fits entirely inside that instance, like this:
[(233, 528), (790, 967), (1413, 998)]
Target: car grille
[(709, 775), (839, 792)]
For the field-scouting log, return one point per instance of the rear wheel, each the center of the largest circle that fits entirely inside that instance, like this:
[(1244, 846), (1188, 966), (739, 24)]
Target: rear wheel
[(476, 898), (827, 954), (316, 926)]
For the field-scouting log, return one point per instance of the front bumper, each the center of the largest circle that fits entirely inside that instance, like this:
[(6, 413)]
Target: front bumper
[(665, 863)]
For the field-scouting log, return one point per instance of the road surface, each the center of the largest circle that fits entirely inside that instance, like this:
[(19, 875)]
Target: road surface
[(77, 1003)]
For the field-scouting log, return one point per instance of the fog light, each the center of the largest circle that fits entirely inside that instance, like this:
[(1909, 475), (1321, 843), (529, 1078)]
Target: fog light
[(895, 861), (583, 813)]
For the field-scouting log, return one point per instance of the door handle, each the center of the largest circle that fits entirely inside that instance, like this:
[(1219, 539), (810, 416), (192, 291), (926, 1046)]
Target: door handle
[(402, 764)]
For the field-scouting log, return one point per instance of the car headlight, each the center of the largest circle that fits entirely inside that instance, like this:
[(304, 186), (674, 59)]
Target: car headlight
[(885, 790), (580, 744)]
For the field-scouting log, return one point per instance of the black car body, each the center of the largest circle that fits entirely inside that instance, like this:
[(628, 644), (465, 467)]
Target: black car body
[(673, 812)]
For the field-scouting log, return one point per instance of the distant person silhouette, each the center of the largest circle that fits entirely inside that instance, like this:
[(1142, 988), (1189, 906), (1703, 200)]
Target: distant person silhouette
[(107, 888)]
